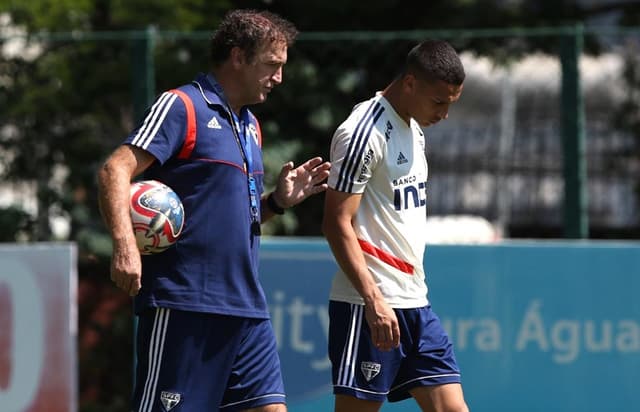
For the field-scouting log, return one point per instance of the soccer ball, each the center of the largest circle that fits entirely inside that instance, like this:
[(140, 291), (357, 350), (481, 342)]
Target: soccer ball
[(157, 216)]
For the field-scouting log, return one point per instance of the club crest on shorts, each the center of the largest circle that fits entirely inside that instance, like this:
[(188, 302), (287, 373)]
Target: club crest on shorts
[(369, 369), (169, 400)]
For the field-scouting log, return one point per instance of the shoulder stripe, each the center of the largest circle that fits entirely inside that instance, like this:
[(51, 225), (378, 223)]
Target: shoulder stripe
[(359, 140), (160, 101), (346, 164), (162, 113), (154, 120), (145, 123)]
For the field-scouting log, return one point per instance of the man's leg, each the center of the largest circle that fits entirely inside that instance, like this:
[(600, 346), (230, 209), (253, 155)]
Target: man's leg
[(440, 398), (255, 382), (362, 375), (274, 407), (184, 359), (430, 374), (346, 403)]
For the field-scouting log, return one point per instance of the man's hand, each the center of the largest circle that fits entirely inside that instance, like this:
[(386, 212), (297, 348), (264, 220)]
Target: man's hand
[(126, 267), (295, 185), (383, 324)]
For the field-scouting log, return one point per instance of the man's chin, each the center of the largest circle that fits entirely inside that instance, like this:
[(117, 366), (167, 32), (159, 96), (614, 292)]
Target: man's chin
[(427, 123), (257, 100)]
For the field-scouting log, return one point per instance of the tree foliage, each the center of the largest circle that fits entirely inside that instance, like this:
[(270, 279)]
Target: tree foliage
[(66, 108)]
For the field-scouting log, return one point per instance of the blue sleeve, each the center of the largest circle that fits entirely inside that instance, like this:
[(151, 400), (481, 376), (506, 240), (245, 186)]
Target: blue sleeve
[(162, 131)]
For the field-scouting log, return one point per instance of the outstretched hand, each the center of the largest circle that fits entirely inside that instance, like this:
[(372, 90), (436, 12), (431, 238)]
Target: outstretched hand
[(295, 185)]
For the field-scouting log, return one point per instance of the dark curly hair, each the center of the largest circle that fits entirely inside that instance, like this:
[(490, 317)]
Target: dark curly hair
[(248, 30), (434, 60)]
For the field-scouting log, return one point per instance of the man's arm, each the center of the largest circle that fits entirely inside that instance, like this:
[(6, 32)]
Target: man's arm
[(114, 182), (339, 212)]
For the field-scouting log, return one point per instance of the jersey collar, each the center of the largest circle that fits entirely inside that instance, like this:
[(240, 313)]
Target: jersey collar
[(210, 89)]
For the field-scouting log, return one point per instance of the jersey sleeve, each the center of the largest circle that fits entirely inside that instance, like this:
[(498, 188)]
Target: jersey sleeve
[(162, 131), (354, 156)]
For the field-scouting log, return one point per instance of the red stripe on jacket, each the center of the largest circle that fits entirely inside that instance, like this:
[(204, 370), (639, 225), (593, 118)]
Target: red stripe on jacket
[(190, 135)]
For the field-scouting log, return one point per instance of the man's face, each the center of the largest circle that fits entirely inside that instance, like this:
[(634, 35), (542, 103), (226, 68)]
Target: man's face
[(264, 72), (430, 101)]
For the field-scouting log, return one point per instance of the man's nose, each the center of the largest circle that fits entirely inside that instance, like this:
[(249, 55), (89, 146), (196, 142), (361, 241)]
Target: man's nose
[(277, 76)]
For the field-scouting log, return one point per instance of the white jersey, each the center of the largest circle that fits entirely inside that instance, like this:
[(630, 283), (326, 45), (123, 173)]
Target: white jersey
[(374, 152)]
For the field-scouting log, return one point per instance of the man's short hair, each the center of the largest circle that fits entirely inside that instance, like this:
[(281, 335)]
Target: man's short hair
[(249, 30), (434, 60)]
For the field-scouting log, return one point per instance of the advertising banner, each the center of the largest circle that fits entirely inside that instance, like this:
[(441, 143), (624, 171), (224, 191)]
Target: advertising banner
[(536, 326), (38, 328)]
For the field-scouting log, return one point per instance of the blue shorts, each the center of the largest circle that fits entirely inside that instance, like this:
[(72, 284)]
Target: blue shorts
[(424, 358), (190, 361)]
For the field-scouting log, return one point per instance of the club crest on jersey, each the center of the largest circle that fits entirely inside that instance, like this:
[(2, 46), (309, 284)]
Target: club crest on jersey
[(251, 131), (169, 400), (369, 369)]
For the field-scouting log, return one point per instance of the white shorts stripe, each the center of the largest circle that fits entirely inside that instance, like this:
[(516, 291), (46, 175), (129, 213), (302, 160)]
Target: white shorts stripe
[(443, 375), (350, 351), (156, 346), (154, 120), (163, 332), (346, 348), (145, 395), (360, 310), (270, 395), (362, 390)]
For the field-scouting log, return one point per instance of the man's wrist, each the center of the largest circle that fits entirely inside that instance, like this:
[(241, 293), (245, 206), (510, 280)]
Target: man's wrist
[(273, 205)]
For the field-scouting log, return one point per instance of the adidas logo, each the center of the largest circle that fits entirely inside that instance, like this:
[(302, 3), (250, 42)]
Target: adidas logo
[(401, 159), (214, 124)]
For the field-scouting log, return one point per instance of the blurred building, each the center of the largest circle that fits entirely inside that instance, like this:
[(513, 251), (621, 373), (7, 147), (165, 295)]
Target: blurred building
[(499, 155)]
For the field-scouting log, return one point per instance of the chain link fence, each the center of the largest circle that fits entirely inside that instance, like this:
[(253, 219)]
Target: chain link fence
[(499, 155)]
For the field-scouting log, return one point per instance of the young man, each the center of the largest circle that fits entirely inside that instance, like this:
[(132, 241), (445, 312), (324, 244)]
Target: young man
[(205, 342), (385, 342)]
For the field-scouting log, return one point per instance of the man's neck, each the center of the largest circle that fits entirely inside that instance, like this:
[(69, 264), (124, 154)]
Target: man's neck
[(393, 93), (229, 84)]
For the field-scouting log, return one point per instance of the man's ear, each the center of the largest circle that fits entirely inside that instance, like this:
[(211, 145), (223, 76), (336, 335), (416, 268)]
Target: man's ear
[(409, 82), (237, 57)]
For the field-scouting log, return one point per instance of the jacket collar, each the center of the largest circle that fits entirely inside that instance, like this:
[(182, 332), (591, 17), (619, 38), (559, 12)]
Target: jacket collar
[(210, 89)]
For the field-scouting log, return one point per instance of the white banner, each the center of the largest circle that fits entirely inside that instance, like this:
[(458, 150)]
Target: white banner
[(38, 322)]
